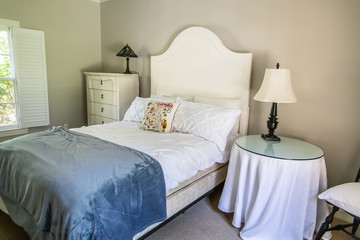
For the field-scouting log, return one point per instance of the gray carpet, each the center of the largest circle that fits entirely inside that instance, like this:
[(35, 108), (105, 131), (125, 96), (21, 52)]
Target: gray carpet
[(202, 221)]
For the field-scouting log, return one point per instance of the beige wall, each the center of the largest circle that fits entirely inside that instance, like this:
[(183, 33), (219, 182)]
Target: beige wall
[(319, 41), (72, 38)]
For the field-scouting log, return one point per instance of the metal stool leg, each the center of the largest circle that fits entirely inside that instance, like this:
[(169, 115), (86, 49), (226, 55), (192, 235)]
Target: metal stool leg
[(325, 226)]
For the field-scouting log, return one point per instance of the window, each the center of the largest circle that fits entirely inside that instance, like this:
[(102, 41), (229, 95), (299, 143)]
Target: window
[(23, 78), (8, 108)]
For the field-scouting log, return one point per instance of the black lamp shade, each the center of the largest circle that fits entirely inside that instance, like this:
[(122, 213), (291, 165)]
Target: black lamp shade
[(126, 52)]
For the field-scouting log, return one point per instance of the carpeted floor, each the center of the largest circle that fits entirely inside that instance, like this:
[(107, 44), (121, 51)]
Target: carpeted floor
[(203, 221)]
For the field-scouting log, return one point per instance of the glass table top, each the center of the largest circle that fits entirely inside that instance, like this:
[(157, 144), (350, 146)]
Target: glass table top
[(287, 148)]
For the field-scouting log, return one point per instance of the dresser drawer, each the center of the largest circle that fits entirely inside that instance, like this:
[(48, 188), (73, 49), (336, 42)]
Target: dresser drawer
[(102, 83), (94, 120), (103, 110), (109, 95), (101, 96)]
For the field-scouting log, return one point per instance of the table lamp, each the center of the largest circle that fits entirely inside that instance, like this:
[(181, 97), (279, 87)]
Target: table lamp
[(127, 52), (276, 88)]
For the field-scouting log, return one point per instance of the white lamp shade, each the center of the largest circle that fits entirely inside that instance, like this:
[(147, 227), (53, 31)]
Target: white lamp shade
[(276, 87)]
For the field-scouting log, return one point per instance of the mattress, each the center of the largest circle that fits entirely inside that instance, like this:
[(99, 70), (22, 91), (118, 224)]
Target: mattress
[(180, 155), (198, 176)]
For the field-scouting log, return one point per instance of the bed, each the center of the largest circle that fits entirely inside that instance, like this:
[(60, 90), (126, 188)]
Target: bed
[(197, 68)]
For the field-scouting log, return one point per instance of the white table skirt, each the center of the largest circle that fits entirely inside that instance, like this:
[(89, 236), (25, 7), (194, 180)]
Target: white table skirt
[(277, 199)]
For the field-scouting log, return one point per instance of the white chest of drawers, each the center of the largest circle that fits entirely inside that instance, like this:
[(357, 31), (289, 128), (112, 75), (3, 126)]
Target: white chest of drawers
[(109, 95)]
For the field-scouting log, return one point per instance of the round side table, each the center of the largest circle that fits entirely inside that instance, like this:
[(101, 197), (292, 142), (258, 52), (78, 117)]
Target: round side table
[(272, 188), (287, 148)]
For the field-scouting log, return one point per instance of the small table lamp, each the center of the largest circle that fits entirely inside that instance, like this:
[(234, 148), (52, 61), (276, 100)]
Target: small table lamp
[(276, 88), (127, 52)]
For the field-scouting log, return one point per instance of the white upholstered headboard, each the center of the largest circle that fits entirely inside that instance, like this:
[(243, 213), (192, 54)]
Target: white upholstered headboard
[(198, 64)]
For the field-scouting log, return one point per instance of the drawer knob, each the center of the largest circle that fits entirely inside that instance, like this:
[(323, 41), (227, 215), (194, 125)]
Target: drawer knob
[(102, 96), (102, 122), (101, 82), (102, 109)]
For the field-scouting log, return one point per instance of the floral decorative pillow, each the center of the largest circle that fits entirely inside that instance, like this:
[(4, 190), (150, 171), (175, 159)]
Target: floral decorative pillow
[(159, 117)]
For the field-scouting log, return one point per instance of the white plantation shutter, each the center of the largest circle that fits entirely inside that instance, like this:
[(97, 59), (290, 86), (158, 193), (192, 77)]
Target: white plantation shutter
[(32, 94)]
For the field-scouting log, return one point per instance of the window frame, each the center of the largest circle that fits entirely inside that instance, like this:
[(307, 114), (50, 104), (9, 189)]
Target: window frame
[(7, 25), (30, 74)]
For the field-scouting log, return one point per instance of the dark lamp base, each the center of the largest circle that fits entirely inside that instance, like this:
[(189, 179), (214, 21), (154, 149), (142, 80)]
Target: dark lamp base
[(127, 71), (272, 125), (269, 137)]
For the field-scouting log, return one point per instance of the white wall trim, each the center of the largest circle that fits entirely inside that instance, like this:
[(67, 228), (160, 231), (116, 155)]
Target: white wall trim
[(8, 133), (99, 1)]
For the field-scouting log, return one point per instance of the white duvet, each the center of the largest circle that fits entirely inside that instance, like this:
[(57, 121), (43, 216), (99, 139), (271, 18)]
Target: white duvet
[(181, 156)]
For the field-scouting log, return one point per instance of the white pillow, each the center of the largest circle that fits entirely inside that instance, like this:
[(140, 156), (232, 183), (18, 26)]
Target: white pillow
[(207, 121), (136, 111), (345, 196), (234, 103)]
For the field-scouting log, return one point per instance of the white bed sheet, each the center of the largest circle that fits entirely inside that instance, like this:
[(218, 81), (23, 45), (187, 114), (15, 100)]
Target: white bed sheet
[(181, 156)]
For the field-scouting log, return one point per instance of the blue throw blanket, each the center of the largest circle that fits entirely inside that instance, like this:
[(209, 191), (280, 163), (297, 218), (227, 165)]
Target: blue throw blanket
[(59, 184)]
